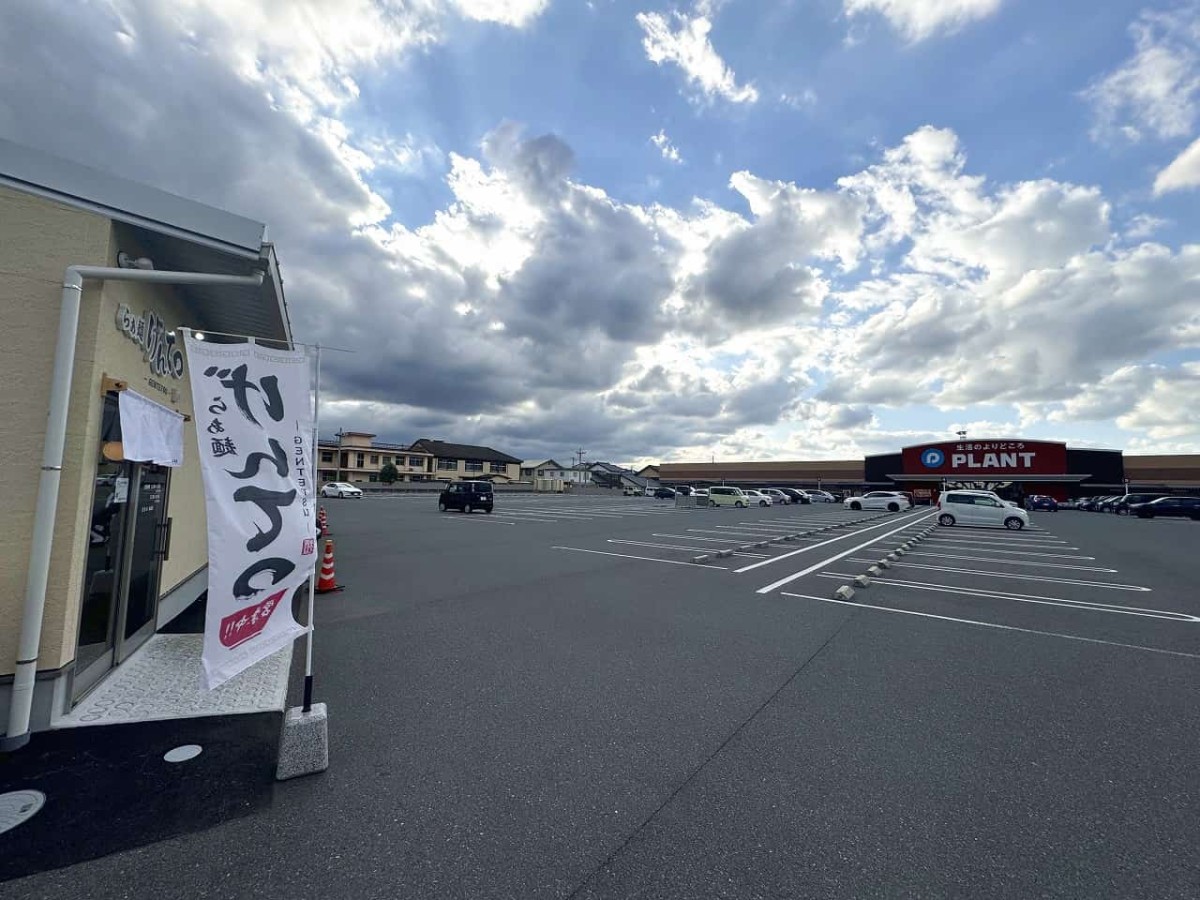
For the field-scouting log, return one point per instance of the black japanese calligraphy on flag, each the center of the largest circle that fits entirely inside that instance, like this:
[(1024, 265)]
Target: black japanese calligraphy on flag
[(254, 429)]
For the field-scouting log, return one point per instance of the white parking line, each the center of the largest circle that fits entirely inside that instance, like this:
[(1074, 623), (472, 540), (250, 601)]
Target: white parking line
[(1069, 637), (757, 535), (984, 532), (559, 516), (756, 529), (957, 549), (524, 517), (987, 548), (668, 562), (909, 521), (1013, 562), (1048, 545), (782, 581), (693, 537), (676, 547), (1049, 579), (492, 519), (1089, 605)]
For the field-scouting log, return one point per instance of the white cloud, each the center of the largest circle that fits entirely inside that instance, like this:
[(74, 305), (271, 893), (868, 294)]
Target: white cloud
[(304, 53), (532, 310), (1157, 90), (688, 46), (1143, 225), (517, 13), (1004, 294), (668, 150), (1182, 173), (1167, 409), (920, 19), (806, 99)]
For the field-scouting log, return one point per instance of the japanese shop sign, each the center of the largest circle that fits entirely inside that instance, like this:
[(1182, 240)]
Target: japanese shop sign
[(150, 332), (992, 457), (253, 411)]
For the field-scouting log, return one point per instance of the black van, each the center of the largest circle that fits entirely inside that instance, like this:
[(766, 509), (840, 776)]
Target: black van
[(467, 496)]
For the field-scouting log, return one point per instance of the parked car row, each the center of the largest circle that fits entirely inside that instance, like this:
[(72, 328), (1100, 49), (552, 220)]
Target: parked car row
[(771, 495), (1144, 506)]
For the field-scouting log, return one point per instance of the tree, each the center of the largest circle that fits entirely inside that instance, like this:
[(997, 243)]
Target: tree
[(388, 474)]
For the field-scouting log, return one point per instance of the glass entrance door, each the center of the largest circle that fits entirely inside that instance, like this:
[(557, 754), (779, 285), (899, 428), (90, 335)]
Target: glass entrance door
[(148, 539), (128, 540), (94, 652)]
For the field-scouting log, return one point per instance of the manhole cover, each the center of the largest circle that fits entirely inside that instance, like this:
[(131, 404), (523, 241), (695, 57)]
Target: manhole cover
[(182, 754), (19, 806)]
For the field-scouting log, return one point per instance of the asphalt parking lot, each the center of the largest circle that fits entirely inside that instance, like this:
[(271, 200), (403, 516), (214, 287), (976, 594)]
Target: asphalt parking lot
[(613, 698)]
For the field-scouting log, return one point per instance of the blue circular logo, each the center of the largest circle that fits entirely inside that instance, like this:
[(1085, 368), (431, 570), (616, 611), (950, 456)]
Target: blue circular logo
[(932, 458)]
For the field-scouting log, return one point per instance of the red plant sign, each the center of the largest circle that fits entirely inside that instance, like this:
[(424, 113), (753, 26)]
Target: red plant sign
[(246, 623)]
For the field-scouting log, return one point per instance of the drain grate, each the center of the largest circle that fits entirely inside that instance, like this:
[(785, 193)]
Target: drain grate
[(18, 807)]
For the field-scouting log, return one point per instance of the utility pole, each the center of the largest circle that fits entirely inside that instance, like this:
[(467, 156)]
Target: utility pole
[(579, 453)]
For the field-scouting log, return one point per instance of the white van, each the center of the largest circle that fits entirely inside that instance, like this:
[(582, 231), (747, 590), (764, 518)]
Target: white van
[(728, 496), (979, 508)]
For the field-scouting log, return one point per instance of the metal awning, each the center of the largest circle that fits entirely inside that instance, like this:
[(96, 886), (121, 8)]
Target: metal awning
[(992, 476)]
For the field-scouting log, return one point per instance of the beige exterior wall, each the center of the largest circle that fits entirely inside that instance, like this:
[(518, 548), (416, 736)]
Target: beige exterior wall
[(459, 471), (343, 464), (38, 240)]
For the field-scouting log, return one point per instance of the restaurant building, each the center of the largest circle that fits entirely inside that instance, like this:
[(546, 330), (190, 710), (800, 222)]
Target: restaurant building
[(99, 553)]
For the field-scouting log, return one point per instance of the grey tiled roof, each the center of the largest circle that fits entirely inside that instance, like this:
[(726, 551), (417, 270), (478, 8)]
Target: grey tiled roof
[(444, 450)]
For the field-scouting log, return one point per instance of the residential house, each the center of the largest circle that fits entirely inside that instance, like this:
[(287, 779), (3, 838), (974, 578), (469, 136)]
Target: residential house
[(612, 476), (548, 468), (466, 462)]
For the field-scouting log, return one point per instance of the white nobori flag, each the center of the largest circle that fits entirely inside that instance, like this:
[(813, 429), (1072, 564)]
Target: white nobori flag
[(253, 411)]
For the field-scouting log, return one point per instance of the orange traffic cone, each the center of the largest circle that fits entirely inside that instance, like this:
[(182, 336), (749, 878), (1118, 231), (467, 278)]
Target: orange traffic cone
[(322, 523), (327, 584)]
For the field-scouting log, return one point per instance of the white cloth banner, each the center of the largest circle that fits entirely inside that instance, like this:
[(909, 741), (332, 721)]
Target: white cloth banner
[(150, 432), (253, 411)]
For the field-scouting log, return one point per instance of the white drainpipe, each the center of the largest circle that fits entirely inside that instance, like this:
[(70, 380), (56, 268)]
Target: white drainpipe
[(21, 701)]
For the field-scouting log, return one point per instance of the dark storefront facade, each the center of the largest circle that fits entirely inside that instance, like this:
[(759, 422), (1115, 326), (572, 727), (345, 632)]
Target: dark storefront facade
[(1012, 467)]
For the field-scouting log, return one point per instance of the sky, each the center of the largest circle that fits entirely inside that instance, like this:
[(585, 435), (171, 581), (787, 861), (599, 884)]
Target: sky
[(730, 229)]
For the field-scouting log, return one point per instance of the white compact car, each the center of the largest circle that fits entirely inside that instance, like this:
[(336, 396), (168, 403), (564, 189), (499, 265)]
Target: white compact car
[(777, 496), (821, 497), (889, 500), (762, 498), (979, 508), (341, 489)]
